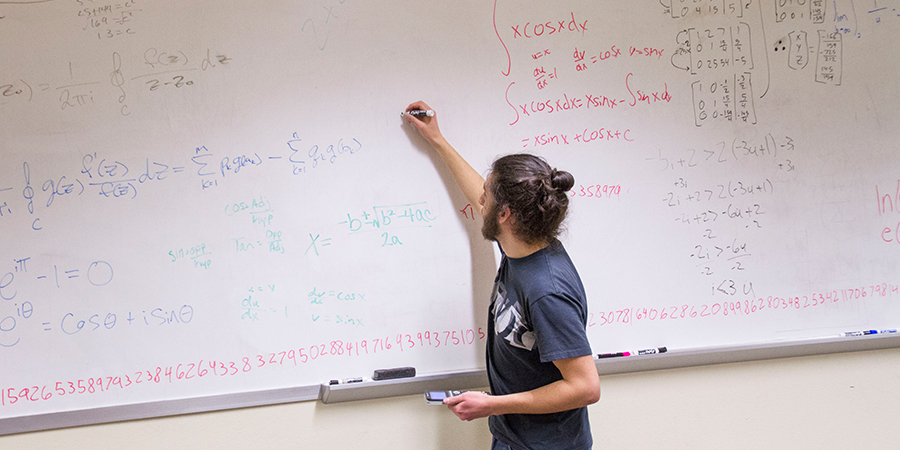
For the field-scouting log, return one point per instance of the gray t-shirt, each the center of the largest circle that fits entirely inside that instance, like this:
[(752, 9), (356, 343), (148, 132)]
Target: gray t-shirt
[(538, 315)]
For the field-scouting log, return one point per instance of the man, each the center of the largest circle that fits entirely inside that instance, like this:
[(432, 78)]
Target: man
[(539, 361)]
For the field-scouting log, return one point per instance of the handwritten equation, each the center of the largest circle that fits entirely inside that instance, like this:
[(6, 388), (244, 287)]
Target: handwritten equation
[(106, 177), (724, 215), (335, 308), (27, 307), (388, 219), (74, 88), (108, 20), (684, 9)]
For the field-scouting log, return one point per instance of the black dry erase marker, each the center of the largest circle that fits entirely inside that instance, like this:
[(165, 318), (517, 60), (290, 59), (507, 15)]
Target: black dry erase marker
[(419, 113)]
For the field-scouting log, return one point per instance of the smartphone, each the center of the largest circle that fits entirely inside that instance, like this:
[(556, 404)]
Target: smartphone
[(437, 397)]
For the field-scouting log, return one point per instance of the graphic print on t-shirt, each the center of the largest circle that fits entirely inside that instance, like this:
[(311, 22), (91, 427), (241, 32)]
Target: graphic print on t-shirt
[(508, 321)]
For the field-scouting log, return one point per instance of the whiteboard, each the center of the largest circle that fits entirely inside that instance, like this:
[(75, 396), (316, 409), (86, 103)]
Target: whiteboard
[(204, 199)]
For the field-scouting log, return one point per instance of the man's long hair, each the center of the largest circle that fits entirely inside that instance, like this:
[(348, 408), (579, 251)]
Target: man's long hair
[(535, 194)]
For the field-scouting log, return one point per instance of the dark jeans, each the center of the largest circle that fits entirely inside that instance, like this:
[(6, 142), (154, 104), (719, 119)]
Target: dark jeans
[(497, 445)]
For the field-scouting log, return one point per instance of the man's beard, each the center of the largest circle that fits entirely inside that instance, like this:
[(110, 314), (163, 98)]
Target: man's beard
[(490, 229)]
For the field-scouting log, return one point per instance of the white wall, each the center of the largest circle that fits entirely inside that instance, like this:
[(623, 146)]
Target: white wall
[(835, 401)]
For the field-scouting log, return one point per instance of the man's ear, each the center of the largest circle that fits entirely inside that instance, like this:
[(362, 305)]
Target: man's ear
[(505, 215)]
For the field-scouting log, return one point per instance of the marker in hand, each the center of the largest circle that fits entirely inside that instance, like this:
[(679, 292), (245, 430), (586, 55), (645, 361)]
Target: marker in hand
[(418, 113)]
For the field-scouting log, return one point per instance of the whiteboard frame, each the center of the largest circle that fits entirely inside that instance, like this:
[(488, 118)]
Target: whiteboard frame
[(474, 379)]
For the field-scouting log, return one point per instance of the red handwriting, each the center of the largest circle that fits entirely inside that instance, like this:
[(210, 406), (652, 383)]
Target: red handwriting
[(582, 137), (542, 76), (588, 101), (533, 30), (597, 191), (614, 52), (891, 235), (468, 212), (603, 134), (742, 308), (886, 202), (646, 51), (645, 97), (210, 369), (540, 54), (497, 32)]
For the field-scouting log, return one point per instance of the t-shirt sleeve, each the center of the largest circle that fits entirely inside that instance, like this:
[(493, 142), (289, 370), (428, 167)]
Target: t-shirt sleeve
[(559, 328)]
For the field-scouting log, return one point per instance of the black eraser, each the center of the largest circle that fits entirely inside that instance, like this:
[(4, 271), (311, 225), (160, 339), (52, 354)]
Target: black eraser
[(390, 374)]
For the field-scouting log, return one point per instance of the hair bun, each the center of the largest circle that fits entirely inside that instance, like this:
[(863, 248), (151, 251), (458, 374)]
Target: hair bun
[(561, 180)]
